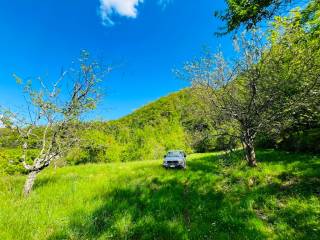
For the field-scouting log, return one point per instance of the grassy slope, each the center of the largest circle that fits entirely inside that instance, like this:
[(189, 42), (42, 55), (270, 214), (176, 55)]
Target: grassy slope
[(213, 199)]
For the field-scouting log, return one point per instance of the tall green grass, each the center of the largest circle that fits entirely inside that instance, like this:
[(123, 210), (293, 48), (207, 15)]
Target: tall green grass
[(215, 198)]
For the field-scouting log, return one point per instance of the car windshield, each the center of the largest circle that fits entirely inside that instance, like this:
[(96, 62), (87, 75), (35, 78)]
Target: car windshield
[(174, 154)]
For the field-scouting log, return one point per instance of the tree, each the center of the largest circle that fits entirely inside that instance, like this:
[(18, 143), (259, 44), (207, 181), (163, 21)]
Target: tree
[(265, 84), (249, 13), (56, 111)]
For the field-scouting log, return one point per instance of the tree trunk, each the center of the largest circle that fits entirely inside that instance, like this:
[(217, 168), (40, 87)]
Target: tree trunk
[(29, 183), (250, 153)]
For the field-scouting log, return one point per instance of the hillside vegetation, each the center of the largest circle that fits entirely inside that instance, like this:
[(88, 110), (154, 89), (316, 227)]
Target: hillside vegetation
[(214, 198), (150, 131), (147, 133)]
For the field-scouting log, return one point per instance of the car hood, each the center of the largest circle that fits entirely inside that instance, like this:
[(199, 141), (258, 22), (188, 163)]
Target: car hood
[(173, 159)]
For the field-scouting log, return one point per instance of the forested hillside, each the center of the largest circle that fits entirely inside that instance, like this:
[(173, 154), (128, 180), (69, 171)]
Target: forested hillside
[(148, 132)]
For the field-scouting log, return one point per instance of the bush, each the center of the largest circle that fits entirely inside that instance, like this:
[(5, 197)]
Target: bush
[(302, 141), (10, 160)]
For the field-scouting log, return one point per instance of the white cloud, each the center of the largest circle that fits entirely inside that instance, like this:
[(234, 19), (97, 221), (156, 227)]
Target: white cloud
[(125, 8)]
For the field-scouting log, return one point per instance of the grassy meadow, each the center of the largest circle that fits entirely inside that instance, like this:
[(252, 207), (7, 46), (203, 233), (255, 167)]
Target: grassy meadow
[(214, 198)]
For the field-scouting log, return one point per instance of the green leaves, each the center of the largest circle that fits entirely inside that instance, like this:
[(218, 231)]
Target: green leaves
[(247, 13)]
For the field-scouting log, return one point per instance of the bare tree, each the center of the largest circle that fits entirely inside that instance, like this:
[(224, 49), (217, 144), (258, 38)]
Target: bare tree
[(53, 114), (260, 88)]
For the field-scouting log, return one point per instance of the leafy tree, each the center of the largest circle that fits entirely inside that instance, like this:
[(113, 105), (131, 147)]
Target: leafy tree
[(249, 13), (263, 87), (304, 121), (57, 110)]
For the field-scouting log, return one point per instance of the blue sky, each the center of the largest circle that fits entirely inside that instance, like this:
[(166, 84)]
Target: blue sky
[(143, 40)]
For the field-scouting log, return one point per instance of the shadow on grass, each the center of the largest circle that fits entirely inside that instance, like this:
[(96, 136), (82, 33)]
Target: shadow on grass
[(213, 163), (287, 202), (43, 181), (288, 207), (283, 157), (206, 164), (193, 206), (302, 174), (162, 209)]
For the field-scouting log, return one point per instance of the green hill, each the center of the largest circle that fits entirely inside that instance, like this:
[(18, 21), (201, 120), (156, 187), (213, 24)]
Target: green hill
[(214, 198), (147, 133)]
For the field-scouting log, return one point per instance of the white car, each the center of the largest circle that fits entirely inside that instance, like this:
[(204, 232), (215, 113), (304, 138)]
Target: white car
[(174, 159)]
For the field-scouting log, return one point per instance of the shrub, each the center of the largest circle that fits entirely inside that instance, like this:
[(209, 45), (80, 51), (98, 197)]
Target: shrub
[(302, 141), (10, 160)]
